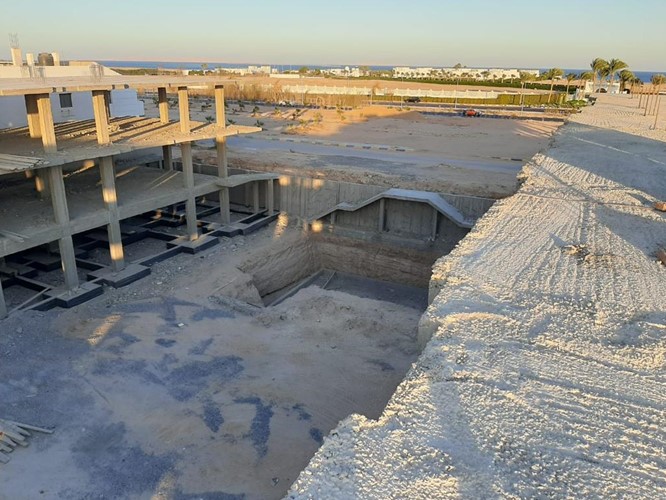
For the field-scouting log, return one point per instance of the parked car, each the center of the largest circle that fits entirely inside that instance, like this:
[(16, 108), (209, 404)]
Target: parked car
[(413, 99), (471, 112)]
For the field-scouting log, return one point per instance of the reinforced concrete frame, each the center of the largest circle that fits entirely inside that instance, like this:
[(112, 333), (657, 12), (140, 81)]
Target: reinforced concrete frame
[(48, 168)]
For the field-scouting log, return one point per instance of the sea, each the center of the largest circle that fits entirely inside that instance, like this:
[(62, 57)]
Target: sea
[(645, 76)]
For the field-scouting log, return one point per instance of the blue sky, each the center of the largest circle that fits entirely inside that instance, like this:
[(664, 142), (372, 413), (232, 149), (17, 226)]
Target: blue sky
[(508, 33)]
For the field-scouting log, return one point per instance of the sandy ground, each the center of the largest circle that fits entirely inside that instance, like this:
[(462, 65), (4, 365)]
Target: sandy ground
[(473, 156), (545, 376), (167, 389)]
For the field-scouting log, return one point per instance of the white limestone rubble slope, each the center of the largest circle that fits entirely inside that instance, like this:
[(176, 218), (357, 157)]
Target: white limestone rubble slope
[(544, 373)]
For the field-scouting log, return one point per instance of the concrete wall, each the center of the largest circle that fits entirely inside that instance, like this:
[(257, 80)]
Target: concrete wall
[(408, 218), (307, 198), (364, 219), (123, 103)]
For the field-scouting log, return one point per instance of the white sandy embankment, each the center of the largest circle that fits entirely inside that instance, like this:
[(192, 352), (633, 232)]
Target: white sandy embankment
[(546, 372)]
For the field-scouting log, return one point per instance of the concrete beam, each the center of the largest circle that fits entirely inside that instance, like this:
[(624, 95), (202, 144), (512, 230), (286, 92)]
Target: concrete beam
[(61, 212), (46, 126), (184, 110), (163, 104), (190, 204), (33, 116), (3, 305), (100, 110), (108, 176)]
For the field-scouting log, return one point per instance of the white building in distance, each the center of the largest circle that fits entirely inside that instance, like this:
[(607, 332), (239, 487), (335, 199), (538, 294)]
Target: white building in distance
[(343, 72), (249, 70), (462, 73), (66, 106)]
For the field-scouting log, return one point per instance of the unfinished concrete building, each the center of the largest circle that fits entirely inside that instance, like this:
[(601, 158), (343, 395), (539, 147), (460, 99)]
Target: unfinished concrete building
[(61, 183)]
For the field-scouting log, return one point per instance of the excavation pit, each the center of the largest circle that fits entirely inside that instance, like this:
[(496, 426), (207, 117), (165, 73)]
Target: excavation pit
[(195, 378)]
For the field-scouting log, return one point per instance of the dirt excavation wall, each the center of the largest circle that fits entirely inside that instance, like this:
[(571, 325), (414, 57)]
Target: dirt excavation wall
[(290, 260), (372, 260)]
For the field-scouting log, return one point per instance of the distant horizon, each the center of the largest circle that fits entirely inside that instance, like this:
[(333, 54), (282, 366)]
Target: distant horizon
[(477, 33), (320, 65)]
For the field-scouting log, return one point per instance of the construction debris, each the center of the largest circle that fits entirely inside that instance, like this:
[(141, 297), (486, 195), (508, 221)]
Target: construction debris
[(13, 434), (660, 205)]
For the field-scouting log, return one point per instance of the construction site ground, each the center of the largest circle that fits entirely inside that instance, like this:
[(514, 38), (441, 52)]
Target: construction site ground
[(380, 145), (168, 388), (544, 373)]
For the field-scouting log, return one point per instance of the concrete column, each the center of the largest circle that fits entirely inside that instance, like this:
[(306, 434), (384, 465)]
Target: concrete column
[(107, 103), (225, 212), (333, 217), (184, 109), (46, 125), (255, 197), (435, 219), (101, 116), (270, 197), (163, 104), (190, 204), (17, 58), (33, 116), (220, 114), (221, 148), (42, 184), (246, 198), (3, 305), (167, 158), (108, 176), (382, 214), (61, 212)]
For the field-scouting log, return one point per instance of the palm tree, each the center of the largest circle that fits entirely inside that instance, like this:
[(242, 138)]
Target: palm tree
[(551, 74), (626, 77), (658, 79), (584, 77), (570, 77), (615, 65), (598, 65)]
